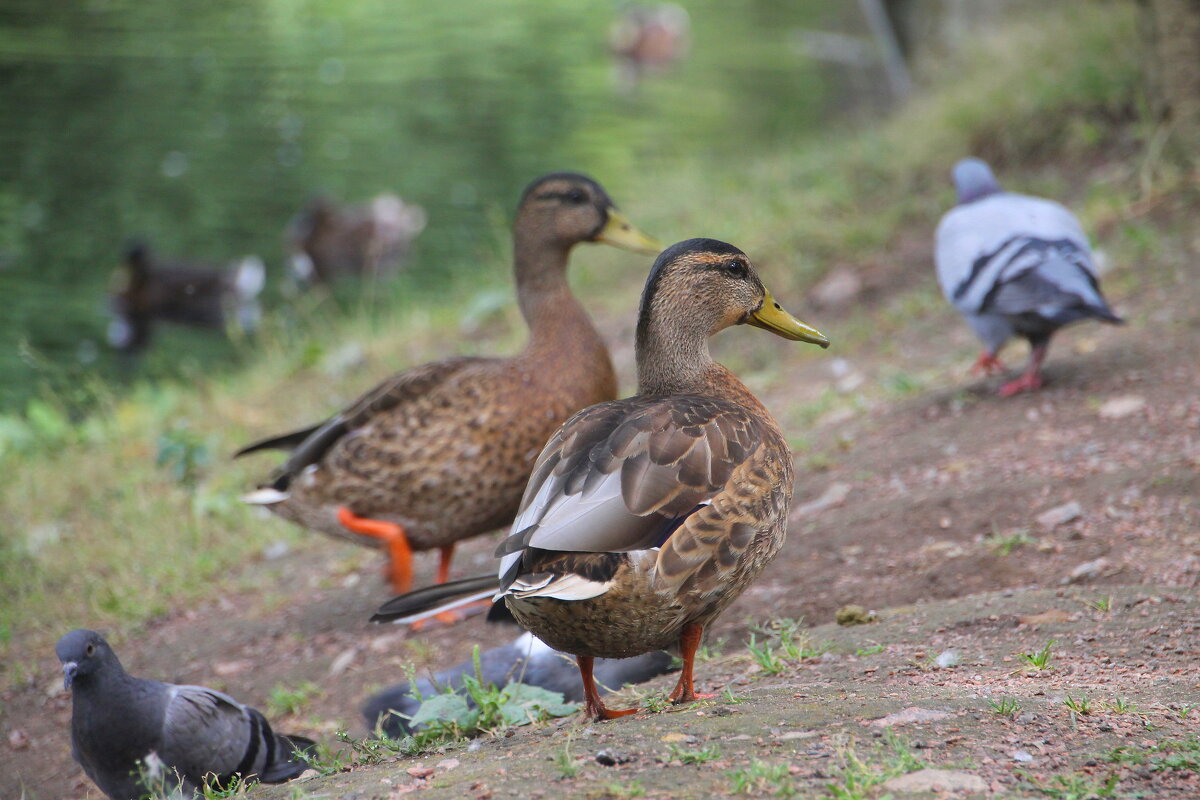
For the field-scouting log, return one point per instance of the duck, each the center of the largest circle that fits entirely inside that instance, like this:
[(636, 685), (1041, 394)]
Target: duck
[(147, 289), (644, 518), (441, 452), (1014, 265), (327, 240)]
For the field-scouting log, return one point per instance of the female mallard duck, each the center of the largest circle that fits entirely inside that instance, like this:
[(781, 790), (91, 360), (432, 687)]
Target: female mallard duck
[(442, 452), (147, 290), (644, 518)]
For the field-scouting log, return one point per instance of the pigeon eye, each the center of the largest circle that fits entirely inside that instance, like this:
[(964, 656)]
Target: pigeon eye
[(576, 196), (91, 649)]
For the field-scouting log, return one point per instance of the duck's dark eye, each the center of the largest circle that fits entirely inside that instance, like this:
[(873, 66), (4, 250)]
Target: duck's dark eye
[(735, 268), (576, 196)]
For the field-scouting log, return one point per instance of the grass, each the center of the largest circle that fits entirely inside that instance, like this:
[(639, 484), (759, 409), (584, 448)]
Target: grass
[(1005, 707), (1039, 661), (284, 700), (1078, 705), (1075, 786), (701, 755), (133, 511), (762, 778), (1166, 756), (857, 778)]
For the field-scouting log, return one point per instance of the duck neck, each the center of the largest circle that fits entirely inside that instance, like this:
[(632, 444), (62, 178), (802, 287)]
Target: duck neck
[(674, 359), (557, 322)]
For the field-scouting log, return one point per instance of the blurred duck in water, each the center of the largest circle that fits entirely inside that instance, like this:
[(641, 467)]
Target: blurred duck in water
[(328, 240), (147, 291), (647, 39)]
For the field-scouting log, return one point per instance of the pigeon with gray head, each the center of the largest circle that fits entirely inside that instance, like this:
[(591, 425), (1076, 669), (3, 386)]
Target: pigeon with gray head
[(1014, 265), (134, 736), (525, 659)]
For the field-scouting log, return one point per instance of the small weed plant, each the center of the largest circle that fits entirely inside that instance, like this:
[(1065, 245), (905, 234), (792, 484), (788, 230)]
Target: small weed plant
[(1039, 661), (1005, 707), (699, 756)]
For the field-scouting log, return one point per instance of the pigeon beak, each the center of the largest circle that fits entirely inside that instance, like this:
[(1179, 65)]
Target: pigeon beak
[(69, 670)]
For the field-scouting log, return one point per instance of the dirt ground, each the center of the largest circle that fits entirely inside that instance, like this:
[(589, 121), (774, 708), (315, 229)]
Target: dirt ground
[(925, 498)]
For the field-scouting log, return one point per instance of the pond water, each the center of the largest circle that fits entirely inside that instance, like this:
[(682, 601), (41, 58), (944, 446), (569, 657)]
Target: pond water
[(205, 126)]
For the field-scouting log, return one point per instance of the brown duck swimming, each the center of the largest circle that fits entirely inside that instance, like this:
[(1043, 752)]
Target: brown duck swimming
[(442, 452), (328, 240), (148, 290), (645, 517)]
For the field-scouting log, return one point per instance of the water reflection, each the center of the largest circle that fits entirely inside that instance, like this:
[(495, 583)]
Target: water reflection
[(204, 126)]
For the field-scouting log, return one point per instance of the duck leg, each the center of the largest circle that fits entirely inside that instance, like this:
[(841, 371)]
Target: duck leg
[(399, 570), (689, 642), (593, 706), (1030, 379), (987, 364)]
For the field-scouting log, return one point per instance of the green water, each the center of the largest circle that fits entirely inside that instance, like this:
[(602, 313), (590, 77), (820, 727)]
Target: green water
[(204, 126)]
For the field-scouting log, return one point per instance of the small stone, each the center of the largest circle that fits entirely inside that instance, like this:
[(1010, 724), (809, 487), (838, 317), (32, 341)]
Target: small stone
[(227, 668), (791, 735), (1022, 756), (854, 615), (18, 739), (834, 496), (937, 780), (275, 550), (343, 661), (420, 772), (1060, 515), (610, 758), (1122, 406), (448, 763), (308, 775), (1087, 570), (908, 715), (675, 736)]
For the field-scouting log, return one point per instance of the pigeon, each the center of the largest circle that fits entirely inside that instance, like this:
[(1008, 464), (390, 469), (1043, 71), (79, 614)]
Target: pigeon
[(134, 736), (526, 660), (1014, 265)]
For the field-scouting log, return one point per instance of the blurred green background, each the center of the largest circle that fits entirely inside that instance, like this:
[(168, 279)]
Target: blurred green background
[(204, 127)]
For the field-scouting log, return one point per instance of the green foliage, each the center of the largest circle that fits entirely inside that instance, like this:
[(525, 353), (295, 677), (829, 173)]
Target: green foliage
[(285, 700), (871, 650), (183, 453), (1078, 705), (1005, 707), (1076, 786), (762, 778), (1166, 756), (700, 755), (1039, 661), (856, 777), (621, 791), (784, 643), (371, 750), (451, 716), (565, 761), (1003, 545)]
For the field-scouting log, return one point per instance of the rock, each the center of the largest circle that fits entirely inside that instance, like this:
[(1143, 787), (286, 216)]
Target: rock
[(343, 661), (18, 739), (1087, 570), (1060, 515), (1022, 756), (909, 715), (447, 763), (838, 289), (611, 758), (854, 615), (420, 773), (937, 780), (1122, 406), (835, 495)]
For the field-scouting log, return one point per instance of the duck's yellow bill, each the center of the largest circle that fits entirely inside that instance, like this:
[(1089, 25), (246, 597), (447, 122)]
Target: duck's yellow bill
[(620, 232), (772, 317)]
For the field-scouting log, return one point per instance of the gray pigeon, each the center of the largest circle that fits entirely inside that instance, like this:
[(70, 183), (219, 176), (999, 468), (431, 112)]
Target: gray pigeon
[(1014, 265), (526, 660), (133, 736)]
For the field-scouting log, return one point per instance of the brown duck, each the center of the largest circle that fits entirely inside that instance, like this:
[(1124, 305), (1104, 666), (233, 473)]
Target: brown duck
[(645, 517), (442, 452)]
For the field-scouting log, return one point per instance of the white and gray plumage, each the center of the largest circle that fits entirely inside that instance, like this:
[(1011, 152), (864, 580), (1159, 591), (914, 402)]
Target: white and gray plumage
[(525, 659), (127, 732), (1014, 265)]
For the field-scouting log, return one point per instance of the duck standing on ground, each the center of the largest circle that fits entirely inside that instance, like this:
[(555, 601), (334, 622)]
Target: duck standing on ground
[(645, 517), (442, 452), (328, 240), (1014, 265), (133, 736)]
